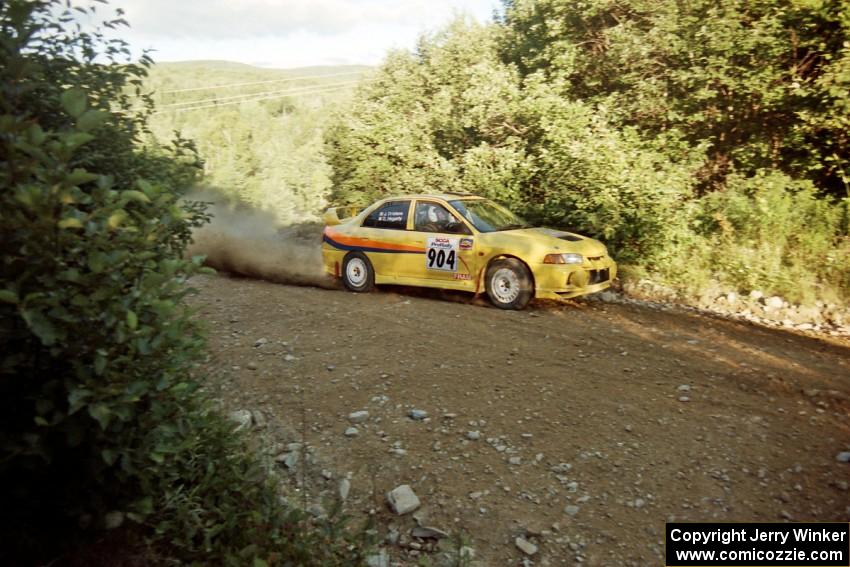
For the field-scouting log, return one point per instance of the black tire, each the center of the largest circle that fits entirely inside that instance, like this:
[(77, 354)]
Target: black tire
[(509, 284), (361, 277)]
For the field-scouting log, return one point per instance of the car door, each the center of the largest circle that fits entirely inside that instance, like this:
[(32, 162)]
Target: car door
[(385, 238), (448, 243)]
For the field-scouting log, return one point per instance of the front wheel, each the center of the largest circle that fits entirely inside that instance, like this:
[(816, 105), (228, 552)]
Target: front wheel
[(357, 272), (509, 284)]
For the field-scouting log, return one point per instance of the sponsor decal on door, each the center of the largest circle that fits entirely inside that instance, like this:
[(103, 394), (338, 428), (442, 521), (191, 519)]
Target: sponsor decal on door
[(441, 254)]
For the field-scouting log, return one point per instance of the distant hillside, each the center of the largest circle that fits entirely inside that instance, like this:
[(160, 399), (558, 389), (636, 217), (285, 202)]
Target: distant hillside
[(258, 130), (194, 74)]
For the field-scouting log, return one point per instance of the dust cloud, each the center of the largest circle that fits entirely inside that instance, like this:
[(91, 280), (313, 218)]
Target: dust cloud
[(251, 242)]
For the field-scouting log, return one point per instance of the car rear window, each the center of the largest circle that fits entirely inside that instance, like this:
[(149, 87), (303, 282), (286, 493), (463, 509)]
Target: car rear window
[(392, 215)]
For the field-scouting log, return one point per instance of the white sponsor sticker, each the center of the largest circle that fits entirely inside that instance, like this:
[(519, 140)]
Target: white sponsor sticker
[(441, 253), (391, 216)]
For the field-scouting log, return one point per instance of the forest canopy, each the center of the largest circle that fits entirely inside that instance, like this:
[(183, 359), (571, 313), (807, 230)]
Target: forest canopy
[(706, 142)]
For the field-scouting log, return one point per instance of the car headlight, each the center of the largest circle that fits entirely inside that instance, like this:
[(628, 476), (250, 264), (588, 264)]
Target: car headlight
[(568, 258)]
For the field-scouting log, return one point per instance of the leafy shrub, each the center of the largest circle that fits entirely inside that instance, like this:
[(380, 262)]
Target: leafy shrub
[(98, 410), (764, 84), (774, 233), (453, 116), (212, 501), (598, 117), (436, 120), (96, 343), (586, 175)]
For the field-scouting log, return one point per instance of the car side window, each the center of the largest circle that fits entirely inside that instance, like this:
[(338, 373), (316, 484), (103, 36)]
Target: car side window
[(392, 215), (434, 217)]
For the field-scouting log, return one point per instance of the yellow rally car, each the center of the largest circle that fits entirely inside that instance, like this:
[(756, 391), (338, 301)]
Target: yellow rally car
[(461, 242)]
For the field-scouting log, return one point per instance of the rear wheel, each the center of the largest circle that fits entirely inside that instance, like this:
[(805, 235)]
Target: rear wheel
[(357, 272), (509, 284)]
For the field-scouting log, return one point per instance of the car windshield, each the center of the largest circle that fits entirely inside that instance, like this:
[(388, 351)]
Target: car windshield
[(487, 216)]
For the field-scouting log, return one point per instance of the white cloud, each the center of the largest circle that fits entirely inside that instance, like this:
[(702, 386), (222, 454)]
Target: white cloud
[(298, 49), (223, 19), (287, 33)]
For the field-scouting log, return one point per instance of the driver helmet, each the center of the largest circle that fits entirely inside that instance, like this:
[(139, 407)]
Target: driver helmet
[(436, 214)]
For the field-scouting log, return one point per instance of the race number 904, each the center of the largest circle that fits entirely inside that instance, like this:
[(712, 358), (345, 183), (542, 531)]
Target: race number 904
[(441, 254)]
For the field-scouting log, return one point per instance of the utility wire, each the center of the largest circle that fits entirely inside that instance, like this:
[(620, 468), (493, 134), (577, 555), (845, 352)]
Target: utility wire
[(250, 100), (287, 80), (248, 95)]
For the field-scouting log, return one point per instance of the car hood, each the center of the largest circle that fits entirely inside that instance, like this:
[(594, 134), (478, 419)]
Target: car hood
[(549, 241)]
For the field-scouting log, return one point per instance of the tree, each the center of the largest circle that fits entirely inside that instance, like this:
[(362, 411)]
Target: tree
[(453, 116), (101, 418), (96, 345), (621, 119), (762, 84), (434, 120)]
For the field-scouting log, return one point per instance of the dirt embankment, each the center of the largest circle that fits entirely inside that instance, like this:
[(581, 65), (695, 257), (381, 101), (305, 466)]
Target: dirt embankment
[(580, 427)]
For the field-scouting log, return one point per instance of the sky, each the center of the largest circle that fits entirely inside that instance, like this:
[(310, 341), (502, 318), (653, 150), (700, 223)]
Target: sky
[(288, 33)]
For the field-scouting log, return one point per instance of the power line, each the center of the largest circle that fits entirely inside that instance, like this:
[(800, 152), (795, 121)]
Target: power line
[(287, 80), (251, 100), (248, 95)]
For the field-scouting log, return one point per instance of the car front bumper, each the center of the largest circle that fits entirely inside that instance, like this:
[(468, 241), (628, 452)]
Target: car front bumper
[(563, 281)]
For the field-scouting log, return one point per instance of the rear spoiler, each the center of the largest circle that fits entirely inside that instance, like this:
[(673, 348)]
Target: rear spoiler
[(336, 215)]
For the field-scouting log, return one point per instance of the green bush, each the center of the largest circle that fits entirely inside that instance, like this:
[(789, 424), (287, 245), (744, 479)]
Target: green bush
[(98, 410), (213, 502), (775, 234), (96, 344), (454, 116), (586, 175), (765, 85), (597, 117), (436, 120)]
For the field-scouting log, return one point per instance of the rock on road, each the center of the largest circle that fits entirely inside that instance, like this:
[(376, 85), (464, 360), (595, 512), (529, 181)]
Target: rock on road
[(578, 428)]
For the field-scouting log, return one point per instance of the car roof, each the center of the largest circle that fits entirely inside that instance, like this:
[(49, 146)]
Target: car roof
[(442, 196)]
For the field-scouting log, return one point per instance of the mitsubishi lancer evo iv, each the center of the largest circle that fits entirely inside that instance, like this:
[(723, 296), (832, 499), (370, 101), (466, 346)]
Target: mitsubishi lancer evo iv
[(461, 242)]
